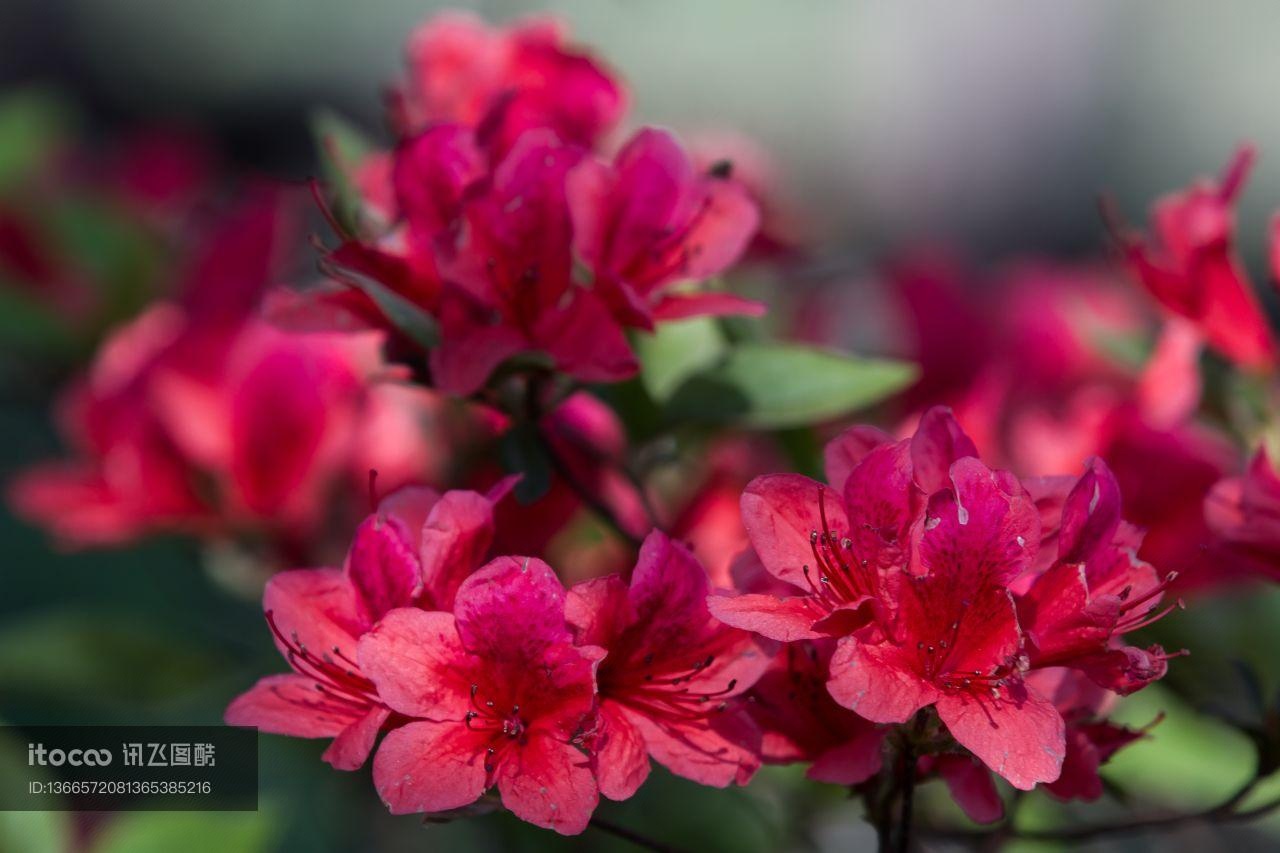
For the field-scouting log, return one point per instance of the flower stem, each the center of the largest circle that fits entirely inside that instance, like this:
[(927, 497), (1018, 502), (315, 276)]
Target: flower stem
[(908, 782), (631, 835)]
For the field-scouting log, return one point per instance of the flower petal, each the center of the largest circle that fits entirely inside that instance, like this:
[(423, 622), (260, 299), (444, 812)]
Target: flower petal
[(548, 783), (290, 705), (1018, 734), (851, 762), (878, 682), (846, 450), (382, 567), (351, 748), (622, 762), (512, 609), (972, 787), (781, 514), (782, 619), (938, 442), (418, 663), (454, 541), (427, 767)]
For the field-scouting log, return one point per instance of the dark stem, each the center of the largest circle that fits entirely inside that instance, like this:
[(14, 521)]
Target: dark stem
[(908, 784), (634, 837), (562, 469), (1224, 812)]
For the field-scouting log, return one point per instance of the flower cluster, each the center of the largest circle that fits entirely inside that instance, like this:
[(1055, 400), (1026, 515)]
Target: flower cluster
[(488, 673), (947, 585), (198, 416), (497, 215), (559, 583)]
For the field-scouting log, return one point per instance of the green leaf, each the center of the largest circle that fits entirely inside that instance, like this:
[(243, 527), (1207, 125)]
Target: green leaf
[(773, 386), (676, 352), (416, 324), (27, 324), (80, 657), (342, 147), (33, 124), (35, 832), (190, 832), (118, 254)]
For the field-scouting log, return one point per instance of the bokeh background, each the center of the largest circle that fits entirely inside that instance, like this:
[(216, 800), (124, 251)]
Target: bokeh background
[(986, 127)]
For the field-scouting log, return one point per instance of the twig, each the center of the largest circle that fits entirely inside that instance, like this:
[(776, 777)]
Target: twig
[(586, 495), (631, 835), (534, 414), (1224, 812), (908, 795)]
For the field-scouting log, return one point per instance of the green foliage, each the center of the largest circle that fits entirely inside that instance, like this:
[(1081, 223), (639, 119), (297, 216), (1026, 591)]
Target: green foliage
[(84, 658), (190, 832), (676, 352), (341, 147), (410, 320), (774, 386), (700, 373), (33, 125)]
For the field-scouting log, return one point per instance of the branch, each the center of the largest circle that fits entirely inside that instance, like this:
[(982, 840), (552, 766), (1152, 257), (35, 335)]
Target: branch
[(533, 413), (586, 495), (1225, 812), (634, 837)]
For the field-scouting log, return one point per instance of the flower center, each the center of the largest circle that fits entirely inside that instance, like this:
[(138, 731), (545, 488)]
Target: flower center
[(663, 689), (835, 577)]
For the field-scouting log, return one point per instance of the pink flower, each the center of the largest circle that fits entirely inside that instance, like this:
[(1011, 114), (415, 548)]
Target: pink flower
[(1244, 514), (669, 685), (1091, 739), (799, 721), (201, 418), (955, 643), (912, 571), (421, 191), (1097, 590), (791, 521), (513, 270), (415, 550), (496, 695), (1190, 266), (650, 221), (493, 254), (505, 81)]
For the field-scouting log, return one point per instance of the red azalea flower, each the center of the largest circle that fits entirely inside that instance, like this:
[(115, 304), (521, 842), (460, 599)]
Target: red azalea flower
[(505, 81), (955, 642), (1090, 743), (416, 192), (912, 570), (1091, 739), (416, 549), (197, 416), (1075, 613), (496, 693), (650, 221), (801, 532), (491, 255), (512, 266), (1244, 513), (1190, 266), (799, 721), (669, 683)]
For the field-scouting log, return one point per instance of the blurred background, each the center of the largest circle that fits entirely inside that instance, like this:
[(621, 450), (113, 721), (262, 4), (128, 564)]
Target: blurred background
[(987, 127)]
